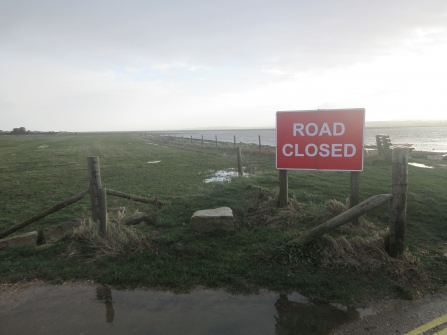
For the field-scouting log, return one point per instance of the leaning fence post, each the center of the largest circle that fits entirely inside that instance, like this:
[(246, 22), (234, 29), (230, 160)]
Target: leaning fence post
[(103, 211), (94, 185), (355, 192), (283, 188), (239, 162), (398, 206)]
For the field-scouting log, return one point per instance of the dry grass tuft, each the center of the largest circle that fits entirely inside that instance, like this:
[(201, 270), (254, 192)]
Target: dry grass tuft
[(120, 239), (368, 255), (335, 207)]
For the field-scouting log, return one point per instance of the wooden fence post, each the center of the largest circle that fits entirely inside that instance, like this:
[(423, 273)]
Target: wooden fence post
[(239, 162), (259, 142), (355, 192), (283, 188), (191, 139), (216, 141), (102, 211), (94, 174), (202, 140), (386, 143), (234, 138), (398, 206), (379, 145)]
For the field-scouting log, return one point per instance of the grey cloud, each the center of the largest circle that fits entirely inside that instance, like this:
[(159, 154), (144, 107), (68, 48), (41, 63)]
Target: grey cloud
[(301, 34)]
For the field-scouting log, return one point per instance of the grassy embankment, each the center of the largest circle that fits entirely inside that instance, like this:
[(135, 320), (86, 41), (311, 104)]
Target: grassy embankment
[(350, 265)]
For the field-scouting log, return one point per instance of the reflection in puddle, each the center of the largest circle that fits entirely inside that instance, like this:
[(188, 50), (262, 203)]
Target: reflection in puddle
[(104, 294), (153, 162), (223, 175), (300, 318), (421, 165), (74, 309), (43, 146)]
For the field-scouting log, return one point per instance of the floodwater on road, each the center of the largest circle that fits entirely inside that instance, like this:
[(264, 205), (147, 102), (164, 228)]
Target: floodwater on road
[(76, 308)]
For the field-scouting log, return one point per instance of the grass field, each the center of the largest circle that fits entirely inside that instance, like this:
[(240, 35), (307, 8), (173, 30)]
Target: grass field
[(350, 265)]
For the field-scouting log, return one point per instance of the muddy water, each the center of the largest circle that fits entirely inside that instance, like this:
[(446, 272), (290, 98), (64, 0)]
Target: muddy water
[(88, 309)]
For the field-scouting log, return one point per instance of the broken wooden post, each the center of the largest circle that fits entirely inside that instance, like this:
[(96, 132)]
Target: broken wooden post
[(283, 188), (239, 162), (102, 211), (398, 210), (379, 145), (355, 192), (339, 220), (94, 185)]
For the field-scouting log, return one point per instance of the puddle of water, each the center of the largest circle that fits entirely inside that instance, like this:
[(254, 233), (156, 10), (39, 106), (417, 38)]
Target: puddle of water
[(434, 157), (151, 143), (153, 162), (421, 165), (80, 309), (223, 175), (43, 146)]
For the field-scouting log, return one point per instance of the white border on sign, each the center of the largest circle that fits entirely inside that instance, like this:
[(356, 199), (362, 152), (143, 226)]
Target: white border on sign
[(318, 110)]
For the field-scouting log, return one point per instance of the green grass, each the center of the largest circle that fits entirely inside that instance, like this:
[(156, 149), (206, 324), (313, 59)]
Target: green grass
[(39, 171)]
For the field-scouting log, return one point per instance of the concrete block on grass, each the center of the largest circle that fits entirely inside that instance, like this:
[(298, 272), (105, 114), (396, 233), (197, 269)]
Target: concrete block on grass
[(135, 218), (60, 231), (213, 219), (22, 240)]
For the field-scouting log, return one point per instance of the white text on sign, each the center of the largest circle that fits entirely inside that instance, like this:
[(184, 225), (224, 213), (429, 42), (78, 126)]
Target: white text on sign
[(324, 149)]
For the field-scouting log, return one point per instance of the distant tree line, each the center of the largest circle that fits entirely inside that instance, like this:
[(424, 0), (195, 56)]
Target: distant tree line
[(23, 131), (19, 131)]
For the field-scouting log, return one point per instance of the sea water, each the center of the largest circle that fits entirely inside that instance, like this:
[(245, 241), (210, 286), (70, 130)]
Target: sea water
[(421, 138)]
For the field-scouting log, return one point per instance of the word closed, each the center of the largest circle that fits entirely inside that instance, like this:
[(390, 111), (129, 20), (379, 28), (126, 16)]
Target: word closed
[(320, 140)]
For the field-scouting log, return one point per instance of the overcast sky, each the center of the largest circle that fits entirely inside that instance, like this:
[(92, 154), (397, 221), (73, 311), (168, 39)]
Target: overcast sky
[(158, 65)]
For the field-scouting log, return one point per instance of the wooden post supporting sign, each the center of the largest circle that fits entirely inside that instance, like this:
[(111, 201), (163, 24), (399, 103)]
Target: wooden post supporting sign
[(283, 188), (355, 192)]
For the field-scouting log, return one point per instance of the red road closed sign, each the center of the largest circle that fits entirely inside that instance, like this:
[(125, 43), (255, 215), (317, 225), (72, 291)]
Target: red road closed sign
[(325, 139)]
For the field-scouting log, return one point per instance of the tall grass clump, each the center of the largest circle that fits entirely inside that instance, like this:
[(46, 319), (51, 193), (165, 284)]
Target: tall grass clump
[(120, 239)]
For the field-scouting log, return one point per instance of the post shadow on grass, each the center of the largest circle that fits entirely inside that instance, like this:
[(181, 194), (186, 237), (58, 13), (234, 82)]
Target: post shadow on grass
[(104, 294)]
